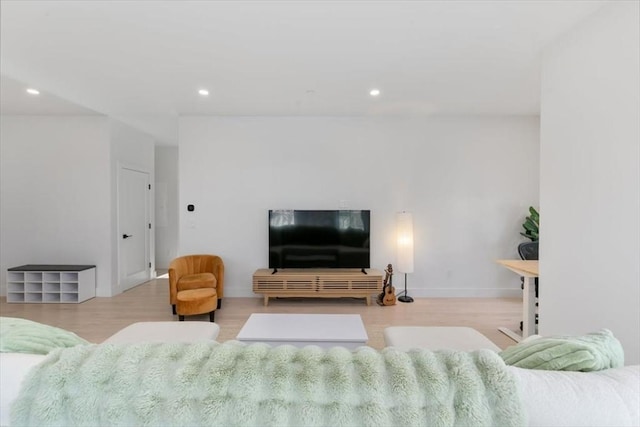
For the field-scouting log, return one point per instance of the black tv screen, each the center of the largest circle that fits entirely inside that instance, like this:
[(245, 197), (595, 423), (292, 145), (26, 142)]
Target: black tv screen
[(319, 238)]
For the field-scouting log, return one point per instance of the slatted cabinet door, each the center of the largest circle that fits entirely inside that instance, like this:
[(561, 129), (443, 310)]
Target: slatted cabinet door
[(313, 283)]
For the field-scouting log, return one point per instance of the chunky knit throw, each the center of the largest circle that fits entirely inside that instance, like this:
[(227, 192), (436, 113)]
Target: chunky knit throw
[(233, 384), (25, 336), (591, 352)]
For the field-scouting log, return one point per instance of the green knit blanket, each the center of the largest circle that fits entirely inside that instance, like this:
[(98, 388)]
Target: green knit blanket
[(25, 336), (232, 384), (591, 352)]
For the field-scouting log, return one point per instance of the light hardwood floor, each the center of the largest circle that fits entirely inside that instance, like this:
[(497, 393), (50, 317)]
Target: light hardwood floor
[(99, 318)]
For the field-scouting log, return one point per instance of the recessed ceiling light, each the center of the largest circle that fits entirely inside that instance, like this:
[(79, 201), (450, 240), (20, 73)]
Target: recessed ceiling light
[(203, 92), (32, 91), (374, 92)]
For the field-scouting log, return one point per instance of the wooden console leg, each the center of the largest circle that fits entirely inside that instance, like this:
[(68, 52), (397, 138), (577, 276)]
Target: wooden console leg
[(266, 300), (368, 299)]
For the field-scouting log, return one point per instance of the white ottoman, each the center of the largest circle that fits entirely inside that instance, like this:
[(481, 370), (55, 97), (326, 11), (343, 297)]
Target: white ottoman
[(437, 338), (165, 332)]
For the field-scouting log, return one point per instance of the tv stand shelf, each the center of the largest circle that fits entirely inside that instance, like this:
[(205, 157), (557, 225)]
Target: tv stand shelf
[(317, 283)]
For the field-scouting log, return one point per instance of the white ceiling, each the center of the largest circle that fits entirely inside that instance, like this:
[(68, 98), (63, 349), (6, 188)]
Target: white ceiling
[(15, 100), (143, 61)]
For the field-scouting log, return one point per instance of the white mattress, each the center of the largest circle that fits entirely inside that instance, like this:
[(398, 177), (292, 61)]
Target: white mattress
[(604, 398)]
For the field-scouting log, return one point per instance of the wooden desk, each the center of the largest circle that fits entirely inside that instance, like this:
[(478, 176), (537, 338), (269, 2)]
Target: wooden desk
[(529, 271)]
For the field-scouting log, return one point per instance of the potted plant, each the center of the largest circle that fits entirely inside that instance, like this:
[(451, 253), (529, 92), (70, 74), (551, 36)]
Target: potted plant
[(531, 225)]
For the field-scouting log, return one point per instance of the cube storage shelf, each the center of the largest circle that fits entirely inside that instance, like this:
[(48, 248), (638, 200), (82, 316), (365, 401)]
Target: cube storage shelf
[(35, 283)]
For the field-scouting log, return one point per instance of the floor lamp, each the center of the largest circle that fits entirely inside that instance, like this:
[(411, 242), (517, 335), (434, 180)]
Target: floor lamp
[(405, 249)]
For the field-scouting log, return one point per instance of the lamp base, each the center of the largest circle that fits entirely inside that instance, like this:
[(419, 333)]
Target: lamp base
[(405, 298)]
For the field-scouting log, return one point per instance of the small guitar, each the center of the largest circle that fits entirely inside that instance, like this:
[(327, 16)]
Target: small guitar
[(389, 291), (388, 295)]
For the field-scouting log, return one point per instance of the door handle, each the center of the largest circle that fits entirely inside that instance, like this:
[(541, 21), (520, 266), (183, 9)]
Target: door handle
[(126, 236)]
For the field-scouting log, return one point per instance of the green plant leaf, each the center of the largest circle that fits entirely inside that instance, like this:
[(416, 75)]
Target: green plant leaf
[(535, 216), (529, 225)]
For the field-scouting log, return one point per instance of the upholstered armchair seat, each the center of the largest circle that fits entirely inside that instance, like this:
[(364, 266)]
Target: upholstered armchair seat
[(201, 273), (197, 301)]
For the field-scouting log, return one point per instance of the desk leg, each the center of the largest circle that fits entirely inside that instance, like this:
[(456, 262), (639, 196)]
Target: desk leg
[(529, 308)]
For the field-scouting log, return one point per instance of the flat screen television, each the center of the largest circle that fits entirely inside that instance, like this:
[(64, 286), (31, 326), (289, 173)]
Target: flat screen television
[(319, 239)]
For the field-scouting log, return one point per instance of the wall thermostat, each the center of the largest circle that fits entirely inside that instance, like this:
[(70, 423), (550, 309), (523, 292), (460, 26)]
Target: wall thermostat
[(191, 208)]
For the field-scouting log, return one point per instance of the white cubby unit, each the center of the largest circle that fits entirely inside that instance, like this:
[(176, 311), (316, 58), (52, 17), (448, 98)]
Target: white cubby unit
[(51, 283)]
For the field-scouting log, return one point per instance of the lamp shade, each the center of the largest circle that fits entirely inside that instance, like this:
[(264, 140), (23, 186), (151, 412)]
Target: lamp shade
[(404, 230)]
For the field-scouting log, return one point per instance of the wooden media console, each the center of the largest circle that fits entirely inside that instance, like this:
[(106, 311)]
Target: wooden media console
[(317, 283)]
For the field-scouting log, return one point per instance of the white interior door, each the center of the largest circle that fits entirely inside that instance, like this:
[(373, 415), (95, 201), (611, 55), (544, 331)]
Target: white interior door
[(133, 228)]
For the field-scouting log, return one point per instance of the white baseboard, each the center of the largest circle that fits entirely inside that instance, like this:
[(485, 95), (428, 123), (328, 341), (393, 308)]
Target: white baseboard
[(424, 293), (462, 292)]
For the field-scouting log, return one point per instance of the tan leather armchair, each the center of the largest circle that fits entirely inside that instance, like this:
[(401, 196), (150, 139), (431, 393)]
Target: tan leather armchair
[(191, 272)]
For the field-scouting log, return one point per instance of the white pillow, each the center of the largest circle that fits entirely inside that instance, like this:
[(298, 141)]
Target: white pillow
[(13, 369)]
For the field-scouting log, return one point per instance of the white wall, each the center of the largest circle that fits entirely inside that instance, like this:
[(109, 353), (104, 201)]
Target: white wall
[(133, 149), (59, 194), (54, 207), (166, 193), (468, 181), (590, 179)]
